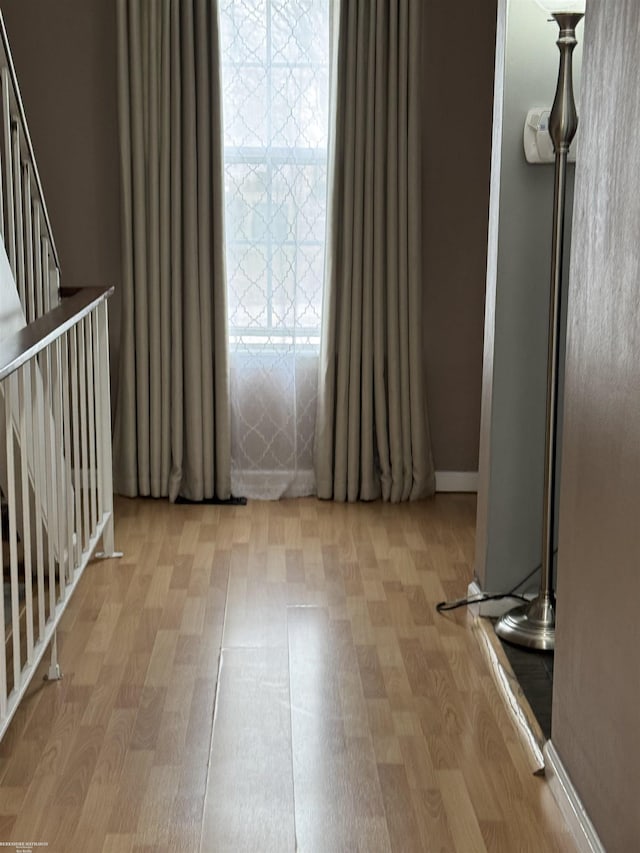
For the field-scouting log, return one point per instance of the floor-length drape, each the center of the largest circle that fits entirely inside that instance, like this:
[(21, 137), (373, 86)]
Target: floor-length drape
[(172, 416), (372, 435)]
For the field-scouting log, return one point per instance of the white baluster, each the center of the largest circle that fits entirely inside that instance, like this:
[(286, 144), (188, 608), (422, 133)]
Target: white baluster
[(28, 234), (92, 425), (37, 256), (66, 468), (9, 403), (10, 234), (106, 466), (26, 443), (100, 414), (17, 192), (46, 272), (75, 427), (39, 472), (59, 465), (49, 478), (84, 442)]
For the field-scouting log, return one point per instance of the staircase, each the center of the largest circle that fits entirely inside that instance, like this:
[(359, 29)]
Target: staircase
[(55, 423)]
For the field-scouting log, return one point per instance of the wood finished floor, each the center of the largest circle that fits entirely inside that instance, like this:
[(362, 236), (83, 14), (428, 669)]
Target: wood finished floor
[(348, 715)]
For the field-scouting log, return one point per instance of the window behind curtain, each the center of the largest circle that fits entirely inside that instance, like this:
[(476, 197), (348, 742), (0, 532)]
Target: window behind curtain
[(275, 69)]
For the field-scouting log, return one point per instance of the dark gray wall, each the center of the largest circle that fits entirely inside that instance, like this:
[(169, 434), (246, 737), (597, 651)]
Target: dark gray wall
[(596, 694), (65, 58), (457, 81), (65, 53)]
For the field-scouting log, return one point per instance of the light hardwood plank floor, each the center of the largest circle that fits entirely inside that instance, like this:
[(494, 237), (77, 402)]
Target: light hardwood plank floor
[(274, 677)]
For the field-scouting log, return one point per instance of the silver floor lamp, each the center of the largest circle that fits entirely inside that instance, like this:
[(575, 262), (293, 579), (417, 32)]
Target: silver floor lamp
[(533, 624)]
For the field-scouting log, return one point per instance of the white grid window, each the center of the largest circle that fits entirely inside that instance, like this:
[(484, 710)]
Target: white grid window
[(275, 66), (275, 79)]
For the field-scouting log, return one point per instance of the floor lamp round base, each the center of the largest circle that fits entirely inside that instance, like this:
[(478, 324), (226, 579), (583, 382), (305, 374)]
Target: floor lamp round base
[(532, 625)]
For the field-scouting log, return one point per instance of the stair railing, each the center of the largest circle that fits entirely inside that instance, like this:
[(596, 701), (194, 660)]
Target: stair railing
[(55, 415), (25, 227), (60, 491)]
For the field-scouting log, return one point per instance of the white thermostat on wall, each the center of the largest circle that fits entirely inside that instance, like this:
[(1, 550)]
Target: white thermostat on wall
[(538, 147)]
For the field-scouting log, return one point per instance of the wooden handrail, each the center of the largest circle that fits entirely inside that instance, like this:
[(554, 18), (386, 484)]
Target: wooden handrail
[(25, 130), (17, 349)]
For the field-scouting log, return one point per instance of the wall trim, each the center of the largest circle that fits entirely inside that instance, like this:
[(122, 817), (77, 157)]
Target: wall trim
[(515, 702), (570, 803), (456, 481)]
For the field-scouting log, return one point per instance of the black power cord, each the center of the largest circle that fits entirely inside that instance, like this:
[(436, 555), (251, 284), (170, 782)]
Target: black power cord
[(444, 606)]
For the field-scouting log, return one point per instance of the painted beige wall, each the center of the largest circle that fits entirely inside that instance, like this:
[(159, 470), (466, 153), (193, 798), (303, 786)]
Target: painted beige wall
[(596, 701), (458, 96), (65, 53)]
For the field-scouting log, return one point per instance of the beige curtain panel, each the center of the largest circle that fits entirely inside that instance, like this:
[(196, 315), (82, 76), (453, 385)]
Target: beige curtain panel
[(372, 434), (172, 416)]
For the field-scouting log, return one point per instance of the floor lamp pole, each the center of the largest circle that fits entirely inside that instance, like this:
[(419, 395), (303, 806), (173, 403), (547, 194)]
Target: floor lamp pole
[(533, 624)]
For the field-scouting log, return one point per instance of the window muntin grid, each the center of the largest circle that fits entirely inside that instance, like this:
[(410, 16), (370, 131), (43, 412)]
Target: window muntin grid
[(275, 72)]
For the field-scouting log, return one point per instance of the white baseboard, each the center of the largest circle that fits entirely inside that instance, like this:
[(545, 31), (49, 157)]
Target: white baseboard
[(456, 481), (570, 803), (529, 732), (492, 609)]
